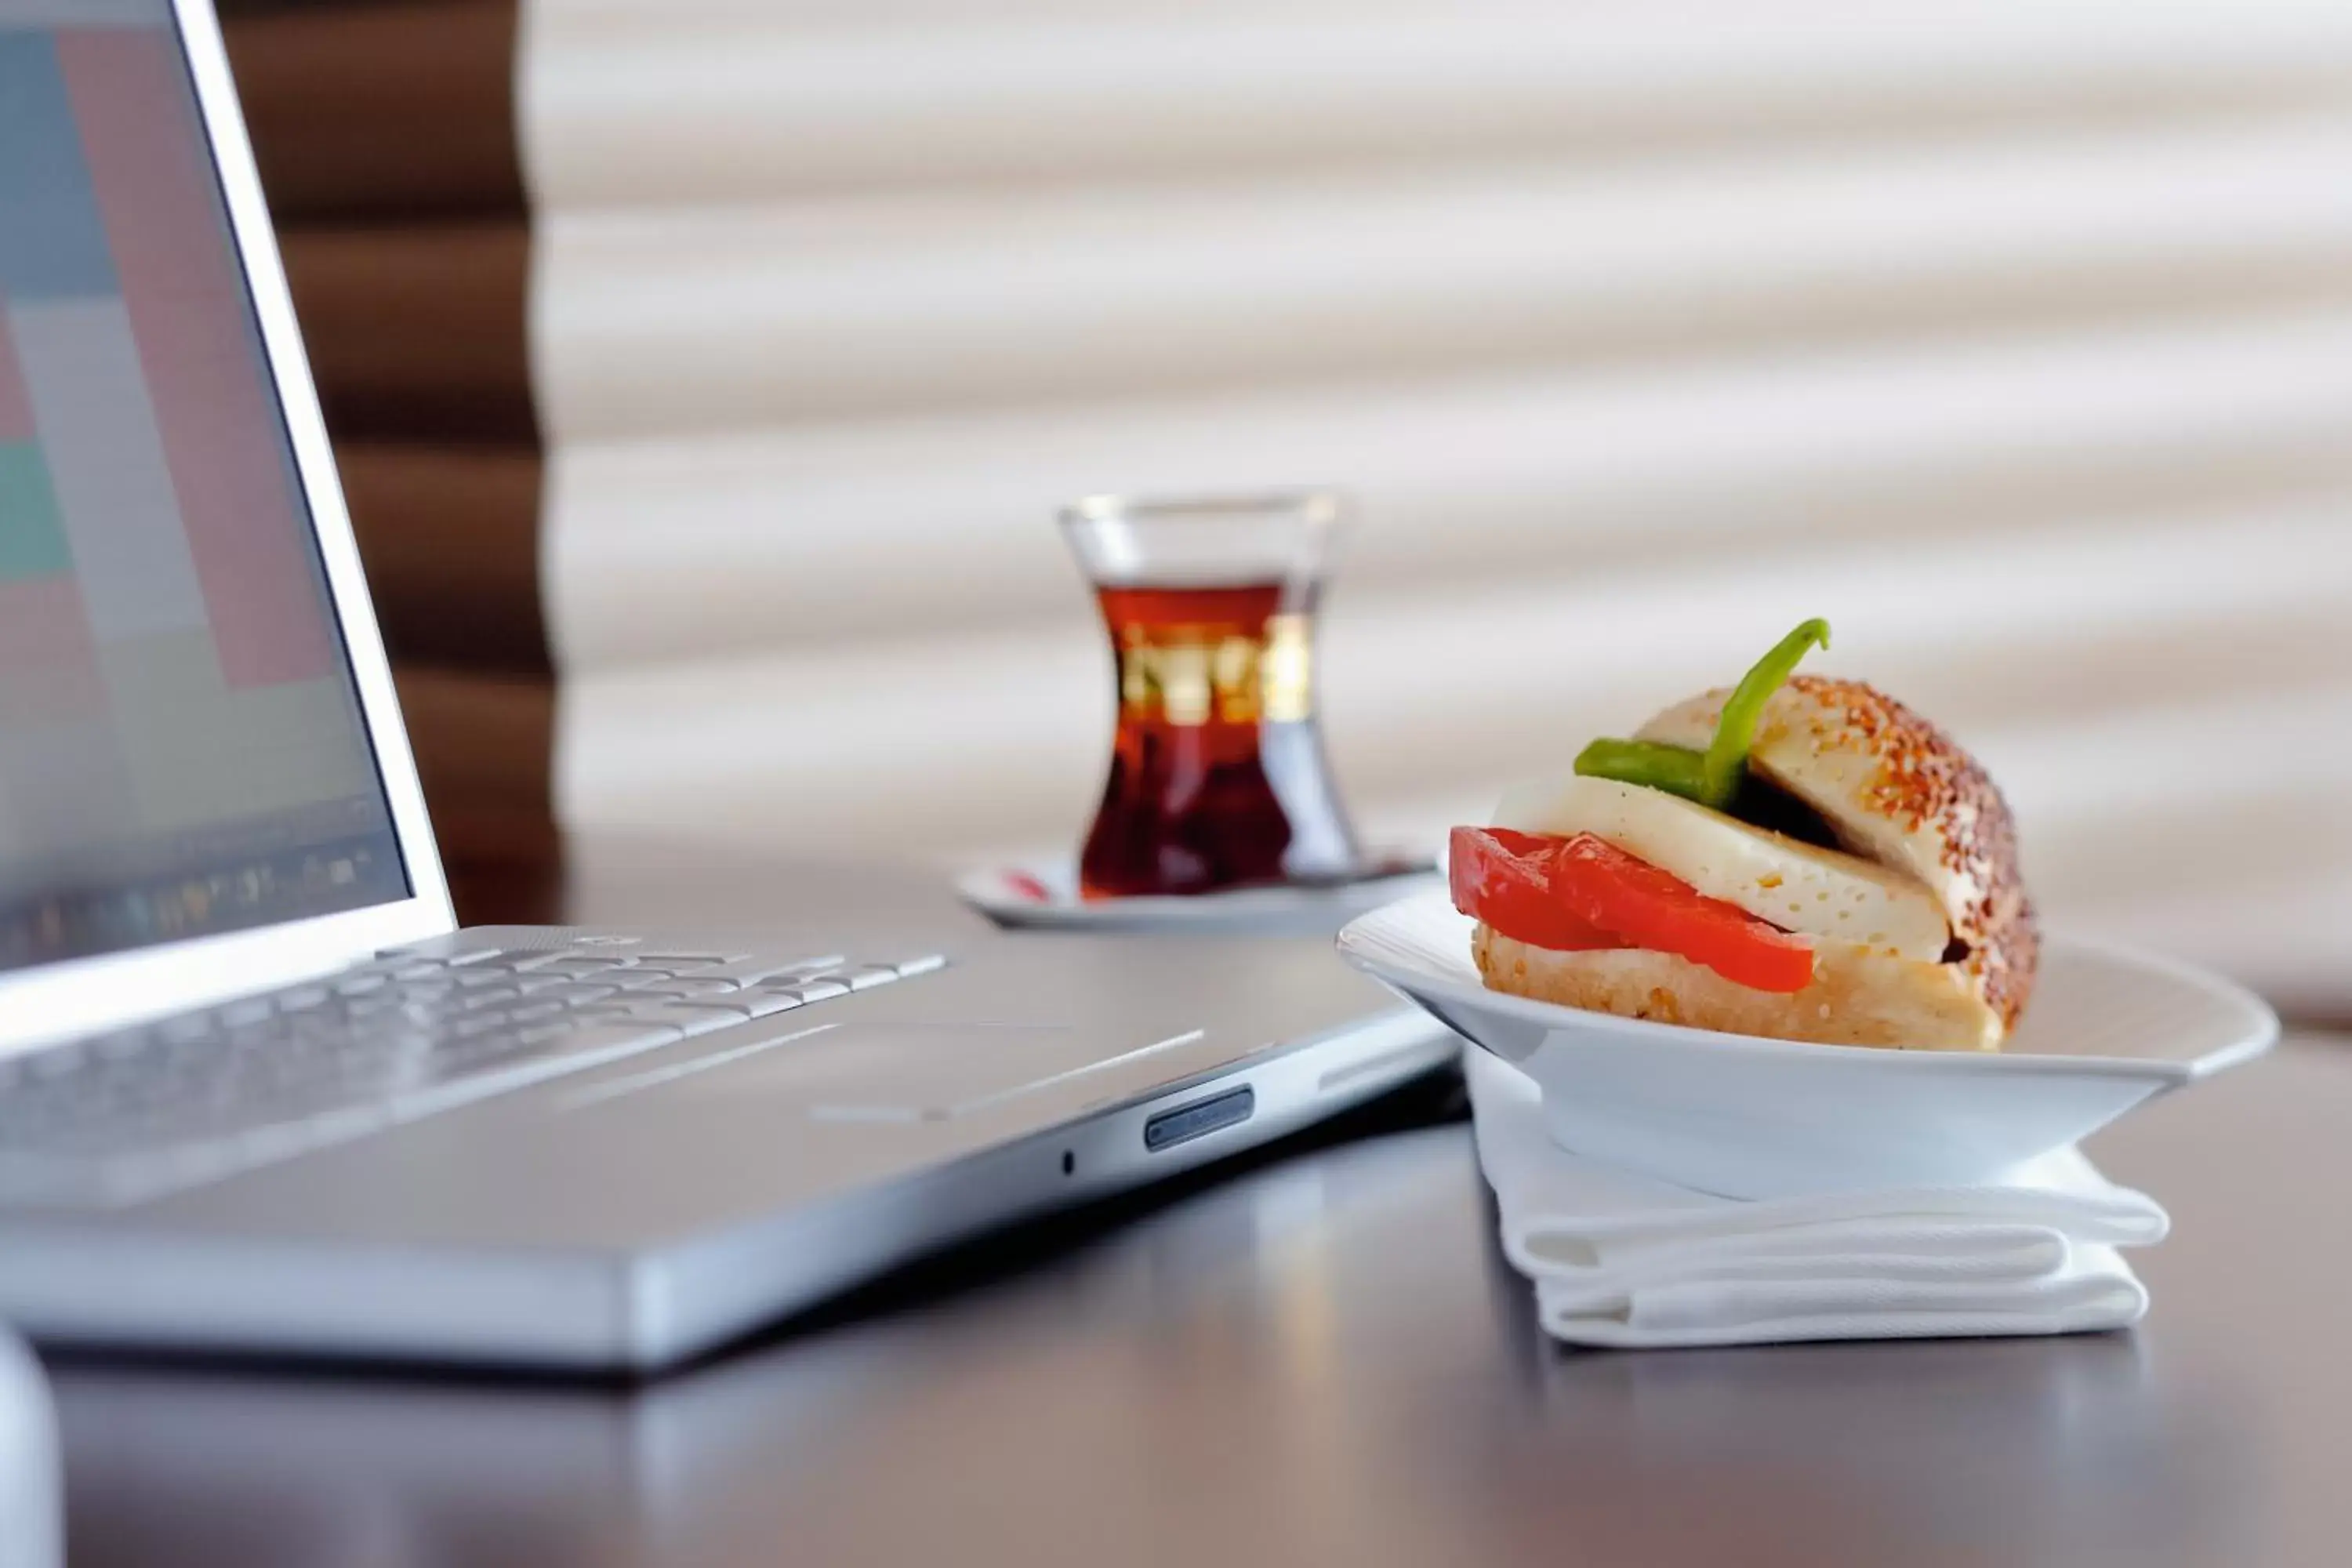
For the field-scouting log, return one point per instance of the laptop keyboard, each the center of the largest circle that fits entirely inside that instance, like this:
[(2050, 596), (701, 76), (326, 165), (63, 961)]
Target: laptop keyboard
[(120, 1118)]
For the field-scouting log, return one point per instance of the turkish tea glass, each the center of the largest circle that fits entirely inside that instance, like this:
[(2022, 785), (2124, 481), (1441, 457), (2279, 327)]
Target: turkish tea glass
[(1217, 773)]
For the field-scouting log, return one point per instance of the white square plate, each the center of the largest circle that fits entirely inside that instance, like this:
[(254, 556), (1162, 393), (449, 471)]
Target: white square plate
[(1748, 1117)]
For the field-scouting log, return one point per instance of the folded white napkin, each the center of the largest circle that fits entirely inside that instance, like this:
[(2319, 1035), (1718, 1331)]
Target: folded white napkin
[(1625, 1259)]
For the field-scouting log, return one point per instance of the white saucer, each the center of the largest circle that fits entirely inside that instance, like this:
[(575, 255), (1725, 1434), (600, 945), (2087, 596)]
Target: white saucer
[(1044, 895), (1748, 1118)]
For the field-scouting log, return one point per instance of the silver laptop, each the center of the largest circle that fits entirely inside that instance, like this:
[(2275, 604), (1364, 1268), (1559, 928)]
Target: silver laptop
[(256, 1091)]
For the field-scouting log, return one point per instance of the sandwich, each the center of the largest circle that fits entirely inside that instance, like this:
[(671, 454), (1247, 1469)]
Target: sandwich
[(1796, 857)]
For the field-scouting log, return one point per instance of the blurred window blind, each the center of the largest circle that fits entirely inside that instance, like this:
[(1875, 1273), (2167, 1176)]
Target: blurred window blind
[(2016, 339)]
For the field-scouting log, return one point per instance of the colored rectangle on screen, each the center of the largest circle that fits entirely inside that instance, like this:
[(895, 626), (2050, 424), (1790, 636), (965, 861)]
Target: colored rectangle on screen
[(62, 792), (48, 662), (54, 245), (15, 402), (32, 538), (214, 400), (201, 751), (106, 463)]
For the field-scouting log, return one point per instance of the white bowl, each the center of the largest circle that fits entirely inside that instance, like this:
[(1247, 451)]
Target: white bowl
[(1748, 1118)]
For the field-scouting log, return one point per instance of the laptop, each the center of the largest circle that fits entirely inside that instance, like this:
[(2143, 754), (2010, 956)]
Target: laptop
[(256, 1091)]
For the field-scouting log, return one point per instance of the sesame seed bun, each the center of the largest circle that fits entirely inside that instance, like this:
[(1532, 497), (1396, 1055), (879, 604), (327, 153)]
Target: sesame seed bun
[(1897, 790)]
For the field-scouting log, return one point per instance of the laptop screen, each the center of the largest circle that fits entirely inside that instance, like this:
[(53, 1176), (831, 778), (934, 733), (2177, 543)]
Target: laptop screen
[(181, 750)]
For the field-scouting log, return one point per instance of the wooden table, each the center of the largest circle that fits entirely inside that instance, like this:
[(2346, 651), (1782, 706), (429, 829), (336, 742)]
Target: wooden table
[(1317, 1357)]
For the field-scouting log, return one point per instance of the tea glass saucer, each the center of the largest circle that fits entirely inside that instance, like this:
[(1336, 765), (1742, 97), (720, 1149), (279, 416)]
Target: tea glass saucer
[(1043, 895)]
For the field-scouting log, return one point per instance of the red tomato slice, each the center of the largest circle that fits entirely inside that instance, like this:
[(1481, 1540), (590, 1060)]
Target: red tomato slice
[(1500, 877), (1533, 888)]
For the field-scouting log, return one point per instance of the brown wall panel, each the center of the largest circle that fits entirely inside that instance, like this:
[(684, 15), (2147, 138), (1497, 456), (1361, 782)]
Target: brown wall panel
[(383, 111), (483, 745), (450, 536), (417, 333)]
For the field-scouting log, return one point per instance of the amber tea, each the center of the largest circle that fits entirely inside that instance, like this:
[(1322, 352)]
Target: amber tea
[(1217, 776)]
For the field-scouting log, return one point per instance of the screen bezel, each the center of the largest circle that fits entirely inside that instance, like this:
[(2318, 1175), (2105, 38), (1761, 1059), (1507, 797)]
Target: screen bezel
[(77, 997)]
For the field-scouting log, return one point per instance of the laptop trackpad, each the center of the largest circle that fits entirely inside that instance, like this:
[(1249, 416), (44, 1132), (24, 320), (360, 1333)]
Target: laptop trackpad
[(885, 1073)]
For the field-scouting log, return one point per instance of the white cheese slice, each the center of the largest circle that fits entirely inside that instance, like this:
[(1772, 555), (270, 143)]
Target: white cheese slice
[(1824, 893)]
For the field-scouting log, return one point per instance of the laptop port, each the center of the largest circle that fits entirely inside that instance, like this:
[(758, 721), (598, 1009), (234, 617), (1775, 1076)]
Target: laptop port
[(1198, 1119)]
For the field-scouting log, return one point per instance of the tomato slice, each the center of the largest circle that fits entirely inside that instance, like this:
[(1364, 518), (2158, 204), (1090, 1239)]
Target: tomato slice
[(1589, 893), (1500, 877)]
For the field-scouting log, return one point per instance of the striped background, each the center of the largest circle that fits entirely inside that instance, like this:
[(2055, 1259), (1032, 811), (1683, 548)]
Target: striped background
[(2015, 339)]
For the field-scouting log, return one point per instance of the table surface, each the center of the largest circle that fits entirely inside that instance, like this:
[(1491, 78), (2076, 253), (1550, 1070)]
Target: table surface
[(1316, 1355)]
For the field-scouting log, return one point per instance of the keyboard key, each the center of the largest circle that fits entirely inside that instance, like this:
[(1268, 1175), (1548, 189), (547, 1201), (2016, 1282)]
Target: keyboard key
[(688, 1017), (808, 990), (536, 962), (927, 963), (567, 963), (751, 971), (764, 1002), (686, 987), (570, 992), (638, 977), (861, 976), (440, 950)]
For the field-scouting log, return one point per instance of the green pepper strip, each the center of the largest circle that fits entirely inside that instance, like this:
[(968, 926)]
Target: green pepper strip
[(1710, 777), (1735, 732), (1677, 770)]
